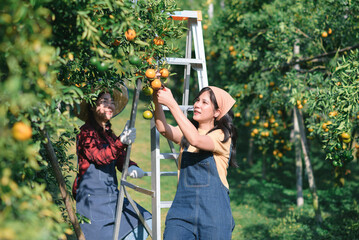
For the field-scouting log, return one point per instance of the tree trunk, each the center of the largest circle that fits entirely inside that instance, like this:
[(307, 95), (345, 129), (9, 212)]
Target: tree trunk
[(210, 11), (62, 185), (298, 152), (250, 152), (264, 167), (298, 160), (308, 168)]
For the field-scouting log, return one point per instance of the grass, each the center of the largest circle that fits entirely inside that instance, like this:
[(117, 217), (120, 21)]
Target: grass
[(262, 209)]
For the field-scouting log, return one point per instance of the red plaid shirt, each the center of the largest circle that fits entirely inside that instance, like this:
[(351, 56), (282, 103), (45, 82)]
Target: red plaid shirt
[(92, 148)]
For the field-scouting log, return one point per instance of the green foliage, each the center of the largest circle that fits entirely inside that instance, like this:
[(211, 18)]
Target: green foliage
[(266, 209), (55, 54), (251, 52)]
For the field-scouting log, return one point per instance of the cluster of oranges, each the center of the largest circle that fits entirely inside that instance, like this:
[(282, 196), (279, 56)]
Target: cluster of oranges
[(325, 33), (153, 76), (154, 85), (301, 103)]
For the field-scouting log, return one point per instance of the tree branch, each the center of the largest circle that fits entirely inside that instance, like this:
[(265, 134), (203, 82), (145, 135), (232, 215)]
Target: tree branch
[(302, 60)]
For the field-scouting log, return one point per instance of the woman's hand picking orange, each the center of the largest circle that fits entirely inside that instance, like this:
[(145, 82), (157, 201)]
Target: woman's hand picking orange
[(165, 97)]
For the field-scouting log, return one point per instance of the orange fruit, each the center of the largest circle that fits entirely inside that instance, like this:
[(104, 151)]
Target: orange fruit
[(156, 84), (330, 31), (21, 131), (147, 114), (150, 73), (158, 41), (231, 48), (205, 27), (164, 72), (130, 34), (255, 131), (345, 135), (147, 90), (237, 114), (116, 42), (324, 34)]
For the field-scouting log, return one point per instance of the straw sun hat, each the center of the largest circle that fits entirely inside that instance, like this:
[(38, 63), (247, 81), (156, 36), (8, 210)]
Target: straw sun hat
[(120, 98)]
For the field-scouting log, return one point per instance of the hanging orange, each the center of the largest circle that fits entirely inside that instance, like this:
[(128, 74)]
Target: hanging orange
[(21, 131), (156, 84), (150, 73), (164, 72), (130, 34)]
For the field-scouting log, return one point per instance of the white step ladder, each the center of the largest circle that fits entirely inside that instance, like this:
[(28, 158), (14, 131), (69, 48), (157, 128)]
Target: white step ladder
[(198, 63)]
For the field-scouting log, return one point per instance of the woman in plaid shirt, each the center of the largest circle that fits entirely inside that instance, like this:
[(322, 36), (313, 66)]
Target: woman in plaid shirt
[(99, 152)]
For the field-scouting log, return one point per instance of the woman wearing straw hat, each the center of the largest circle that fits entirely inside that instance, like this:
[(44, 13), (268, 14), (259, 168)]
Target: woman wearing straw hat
[(201, 208), (99, 152)]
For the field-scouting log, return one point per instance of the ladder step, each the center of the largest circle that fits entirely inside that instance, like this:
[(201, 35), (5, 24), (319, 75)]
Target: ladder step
[(168, 156), (149, 174), (137, 188), (182, 107), (184, 15), (165, 204), (184, 61)]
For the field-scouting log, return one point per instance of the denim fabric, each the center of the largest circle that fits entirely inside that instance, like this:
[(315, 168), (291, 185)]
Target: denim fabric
[(139, 233), (96, 199), (201, 208)]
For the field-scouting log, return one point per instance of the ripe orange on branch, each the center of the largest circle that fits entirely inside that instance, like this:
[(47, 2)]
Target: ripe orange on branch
[(21, 131), (345, 137), (130, 34), (158, 41), (150, 73), (156, 84), (164, 72)]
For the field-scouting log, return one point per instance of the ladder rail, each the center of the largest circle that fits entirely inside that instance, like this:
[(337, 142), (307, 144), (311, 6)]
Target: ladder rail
[(198, 63)]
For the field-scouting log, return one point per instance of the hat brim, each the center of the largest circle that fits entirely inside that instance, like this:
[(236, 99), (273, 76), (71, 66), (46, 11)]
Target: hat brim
[(120, 98)]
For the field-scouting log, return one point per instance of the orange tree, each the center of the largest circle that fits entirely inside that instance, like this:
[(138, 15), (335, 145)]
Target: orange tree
[(252, 54), (53, 54)]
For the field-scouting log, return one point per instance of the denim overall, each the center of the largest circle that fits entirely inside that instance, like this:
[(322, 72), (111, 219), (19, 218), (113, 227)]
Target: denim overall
[(201, 208), (97, 200)]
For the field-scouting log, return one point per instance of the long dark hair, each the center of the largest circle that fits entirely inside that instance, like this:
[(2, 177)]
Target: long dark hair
[(225, 124)]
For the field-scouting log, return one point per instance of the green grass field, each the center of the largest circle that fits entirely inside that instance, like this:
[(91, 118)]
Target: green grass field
[(262, 209)]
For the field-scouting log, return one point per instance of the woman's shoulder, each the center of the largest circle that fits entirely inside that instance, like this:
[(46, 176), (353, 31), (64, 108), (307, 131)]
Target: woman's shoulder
[(217, 133), (87, 130)]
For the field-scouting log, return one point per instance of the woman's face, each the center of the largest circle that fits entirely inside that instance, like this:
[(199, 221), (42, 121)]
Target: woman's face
[(105, 107), (203, 109)]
